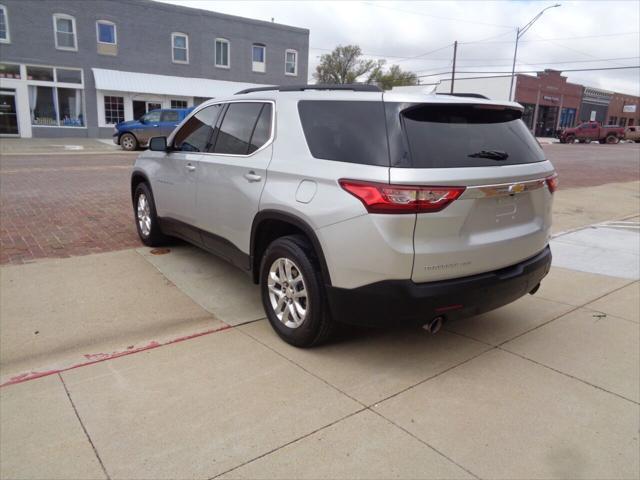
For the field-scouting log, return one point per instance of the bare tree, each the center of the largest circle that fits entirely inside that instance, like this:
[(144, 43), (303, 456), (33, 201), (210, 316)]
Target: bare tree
[(345, 65)]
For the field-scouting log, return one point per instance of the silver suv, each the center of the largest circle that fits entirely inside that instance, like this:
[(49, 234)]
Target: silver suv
[(347, 204)]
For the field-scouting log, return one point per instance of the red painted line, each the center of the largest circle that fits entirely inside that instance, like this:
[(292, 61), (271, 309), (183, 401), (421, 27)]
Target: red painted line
[(102, 357)]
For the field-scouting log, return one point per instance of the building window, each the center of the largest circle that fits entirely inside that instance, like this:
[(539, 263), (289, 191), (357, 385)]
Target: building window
[(222, 53), (623, 121), (259, 53), (106, 32), (291, 62), (180, 47), (113, 110), (64, 27), (4, 25), (613, 120), (65, 75), (178, 104), (9, 70), (56, 107)]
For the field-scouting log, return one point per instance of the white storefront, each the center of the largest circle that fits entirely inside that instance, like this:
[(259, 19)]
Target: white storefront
[(127, 95), (41, 97)]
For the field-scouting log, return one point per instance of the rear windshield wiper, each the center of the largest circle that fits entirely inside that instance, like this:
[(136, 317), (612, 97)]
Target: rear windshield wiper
[(491, 154)]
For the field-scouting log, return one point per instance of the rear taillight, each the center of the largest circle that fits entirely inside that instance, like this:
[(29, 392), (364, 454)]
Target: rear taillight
[(385, 198), (552, 182)]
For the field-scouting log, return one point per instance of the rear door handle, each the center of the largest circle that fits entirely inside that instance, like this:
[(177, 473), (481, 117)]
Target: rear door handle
[(190, 167), (252, 177)]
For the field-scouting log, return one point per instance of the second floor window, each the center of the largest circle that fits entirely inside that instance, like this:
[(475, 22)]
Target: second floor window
[(180, 48), (291, 62), (258, 57), (222, 53), (65, 32), (4, 25), (106, 32)]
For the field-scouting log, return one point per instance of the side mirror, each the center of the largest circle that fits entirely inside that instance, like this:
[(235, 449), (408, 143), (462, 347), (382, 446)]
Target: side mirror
[(158, 144)]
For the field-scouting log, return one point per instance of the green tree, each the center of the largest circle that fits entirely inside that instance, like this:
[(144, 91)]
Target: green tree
[(394, 77), (345, 65)]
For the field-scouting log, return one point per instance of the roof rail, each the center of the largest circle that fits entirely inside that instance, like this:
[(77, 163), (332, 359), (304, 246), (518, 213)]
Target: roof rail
[(356, 87), (466, 95)]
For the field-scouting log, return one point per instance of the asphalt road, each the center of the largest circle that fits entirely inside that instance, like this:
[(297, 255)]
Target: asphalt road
[(64, 205)]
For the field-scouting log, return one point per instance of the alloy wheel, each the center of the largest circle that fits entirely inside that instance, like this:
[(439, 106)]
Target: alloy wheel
[(287, 292), (144, 215)]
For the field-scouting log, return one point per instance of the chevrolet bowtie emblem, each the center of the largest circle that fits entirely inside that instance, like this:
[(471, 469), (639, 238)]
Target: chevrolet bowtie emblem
[(516, 188)]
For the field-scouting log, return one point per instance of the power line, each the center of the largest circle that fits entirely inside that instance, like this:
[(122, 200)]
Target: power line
[(534, 71), (541, 63), (540, 39)]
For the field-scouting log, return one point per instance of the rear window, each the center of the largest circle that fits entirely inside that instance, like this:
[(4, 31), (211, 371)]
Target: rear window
[(446, 136), (345, 131)]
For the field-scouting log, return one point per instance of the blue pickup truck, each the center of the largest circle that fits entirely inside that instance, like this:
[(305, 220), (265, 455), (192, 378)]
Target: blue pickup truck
[(133, 134)]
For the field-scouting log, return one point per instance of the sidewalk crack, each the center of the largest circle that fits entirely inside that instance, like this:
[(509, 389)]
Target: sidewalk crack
[(84, 429)]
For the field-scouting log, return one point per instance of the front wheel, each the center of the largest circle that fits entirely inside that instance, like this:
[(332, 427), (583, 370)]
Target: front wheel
[(144, 210), (128, 142), (293, 294)]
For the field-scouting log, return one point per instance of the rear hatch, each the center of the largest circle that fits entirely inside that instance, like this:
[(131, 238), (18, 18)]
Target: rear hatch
[(503, 214)]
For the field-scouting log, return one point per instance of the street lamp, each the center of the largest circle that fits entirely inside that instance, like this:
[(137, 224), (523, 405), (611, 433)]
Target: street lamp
[(520, 32)]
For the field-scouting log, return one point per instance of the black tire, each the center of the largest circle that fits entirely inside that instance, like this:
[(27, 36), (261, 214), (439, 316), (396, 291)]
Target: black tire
[(587, 140), (128, 142), (570, 139), (611, 139), (155, 237), (317, 324)]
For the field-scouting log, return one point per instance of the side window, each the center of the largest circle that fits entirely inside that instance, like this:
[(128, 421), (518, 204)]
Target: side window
[(344, 131), (169, 116), (237, 128), (262, 132), (195, 134), (152, 117)]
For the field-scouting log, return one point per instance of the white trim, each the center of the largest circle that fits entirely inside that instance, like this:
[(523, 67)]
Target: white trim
[(115, 32), (64, 16), (215, 53), (6, 21), (259, 67), (295, 63), (173, 36)]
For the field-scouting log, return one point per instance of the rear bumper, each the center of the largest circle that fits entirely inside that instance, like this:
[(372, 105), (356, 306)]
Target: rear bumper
[(394, 302)]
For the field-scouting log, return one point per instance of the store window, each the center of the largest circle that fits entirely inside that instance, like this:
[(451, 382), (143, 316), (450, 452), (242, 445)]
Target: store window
[(180, 47), (567, 117), (291, 62), (9, 70), (106, 32), (178, 104), (4, 25), (623, 121), (613, 121), (65, 32), (113, 110), (527, 115), (56, 103), (258, 55), (222, 53)]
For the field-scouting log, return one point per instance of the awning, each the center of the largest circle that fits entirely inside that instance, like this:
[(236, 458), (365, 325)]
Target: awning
[(119, 81)]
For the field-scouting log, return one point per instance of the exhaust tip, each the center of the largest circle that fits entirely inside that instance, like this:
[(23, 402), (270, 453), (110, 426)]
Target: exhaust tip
[(434, 325), (534, 289)]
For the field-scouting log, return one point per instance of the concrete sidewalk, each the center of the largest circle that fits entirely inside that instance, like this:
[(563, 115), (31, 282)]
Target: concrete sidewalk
[(162, 366), (57, 146)]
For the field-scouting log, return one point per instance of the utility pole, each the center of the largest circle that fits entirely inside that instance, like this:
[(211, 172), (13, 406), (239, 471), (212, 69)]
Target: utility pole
[(453, 71)]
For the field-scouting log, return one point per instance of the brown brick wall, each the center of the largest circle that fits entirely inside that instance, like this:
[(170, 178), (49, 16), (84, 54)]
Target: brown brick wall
[(615, 108)]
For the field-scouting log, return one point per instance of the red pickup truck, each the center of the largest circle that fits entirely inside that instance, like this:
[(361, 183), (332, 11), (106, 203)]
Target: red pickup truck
[(590, 131)]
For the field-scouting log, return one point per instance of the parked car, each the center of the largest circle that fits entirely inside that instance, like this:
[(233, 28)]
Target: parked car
[(134, 134), (590, 131), (632, 133), (347, 205)]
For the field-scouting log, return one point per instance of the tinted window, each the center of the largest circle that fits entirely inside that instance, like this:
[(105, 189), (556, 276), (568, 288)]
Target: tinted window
[(195, 134), (170, 116), (441, 136), (236, 129), (152, 117), (352, 132), (262, 132)]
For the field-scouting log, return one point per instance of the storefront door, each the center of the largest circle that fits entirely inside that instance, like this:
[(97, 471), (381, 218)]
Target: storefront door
[(8, 113), (546, 124)]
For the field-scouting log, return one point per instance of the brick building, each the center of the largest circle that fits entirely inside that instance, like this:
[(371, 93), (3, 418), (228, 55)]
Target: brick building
[(624, 110)]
